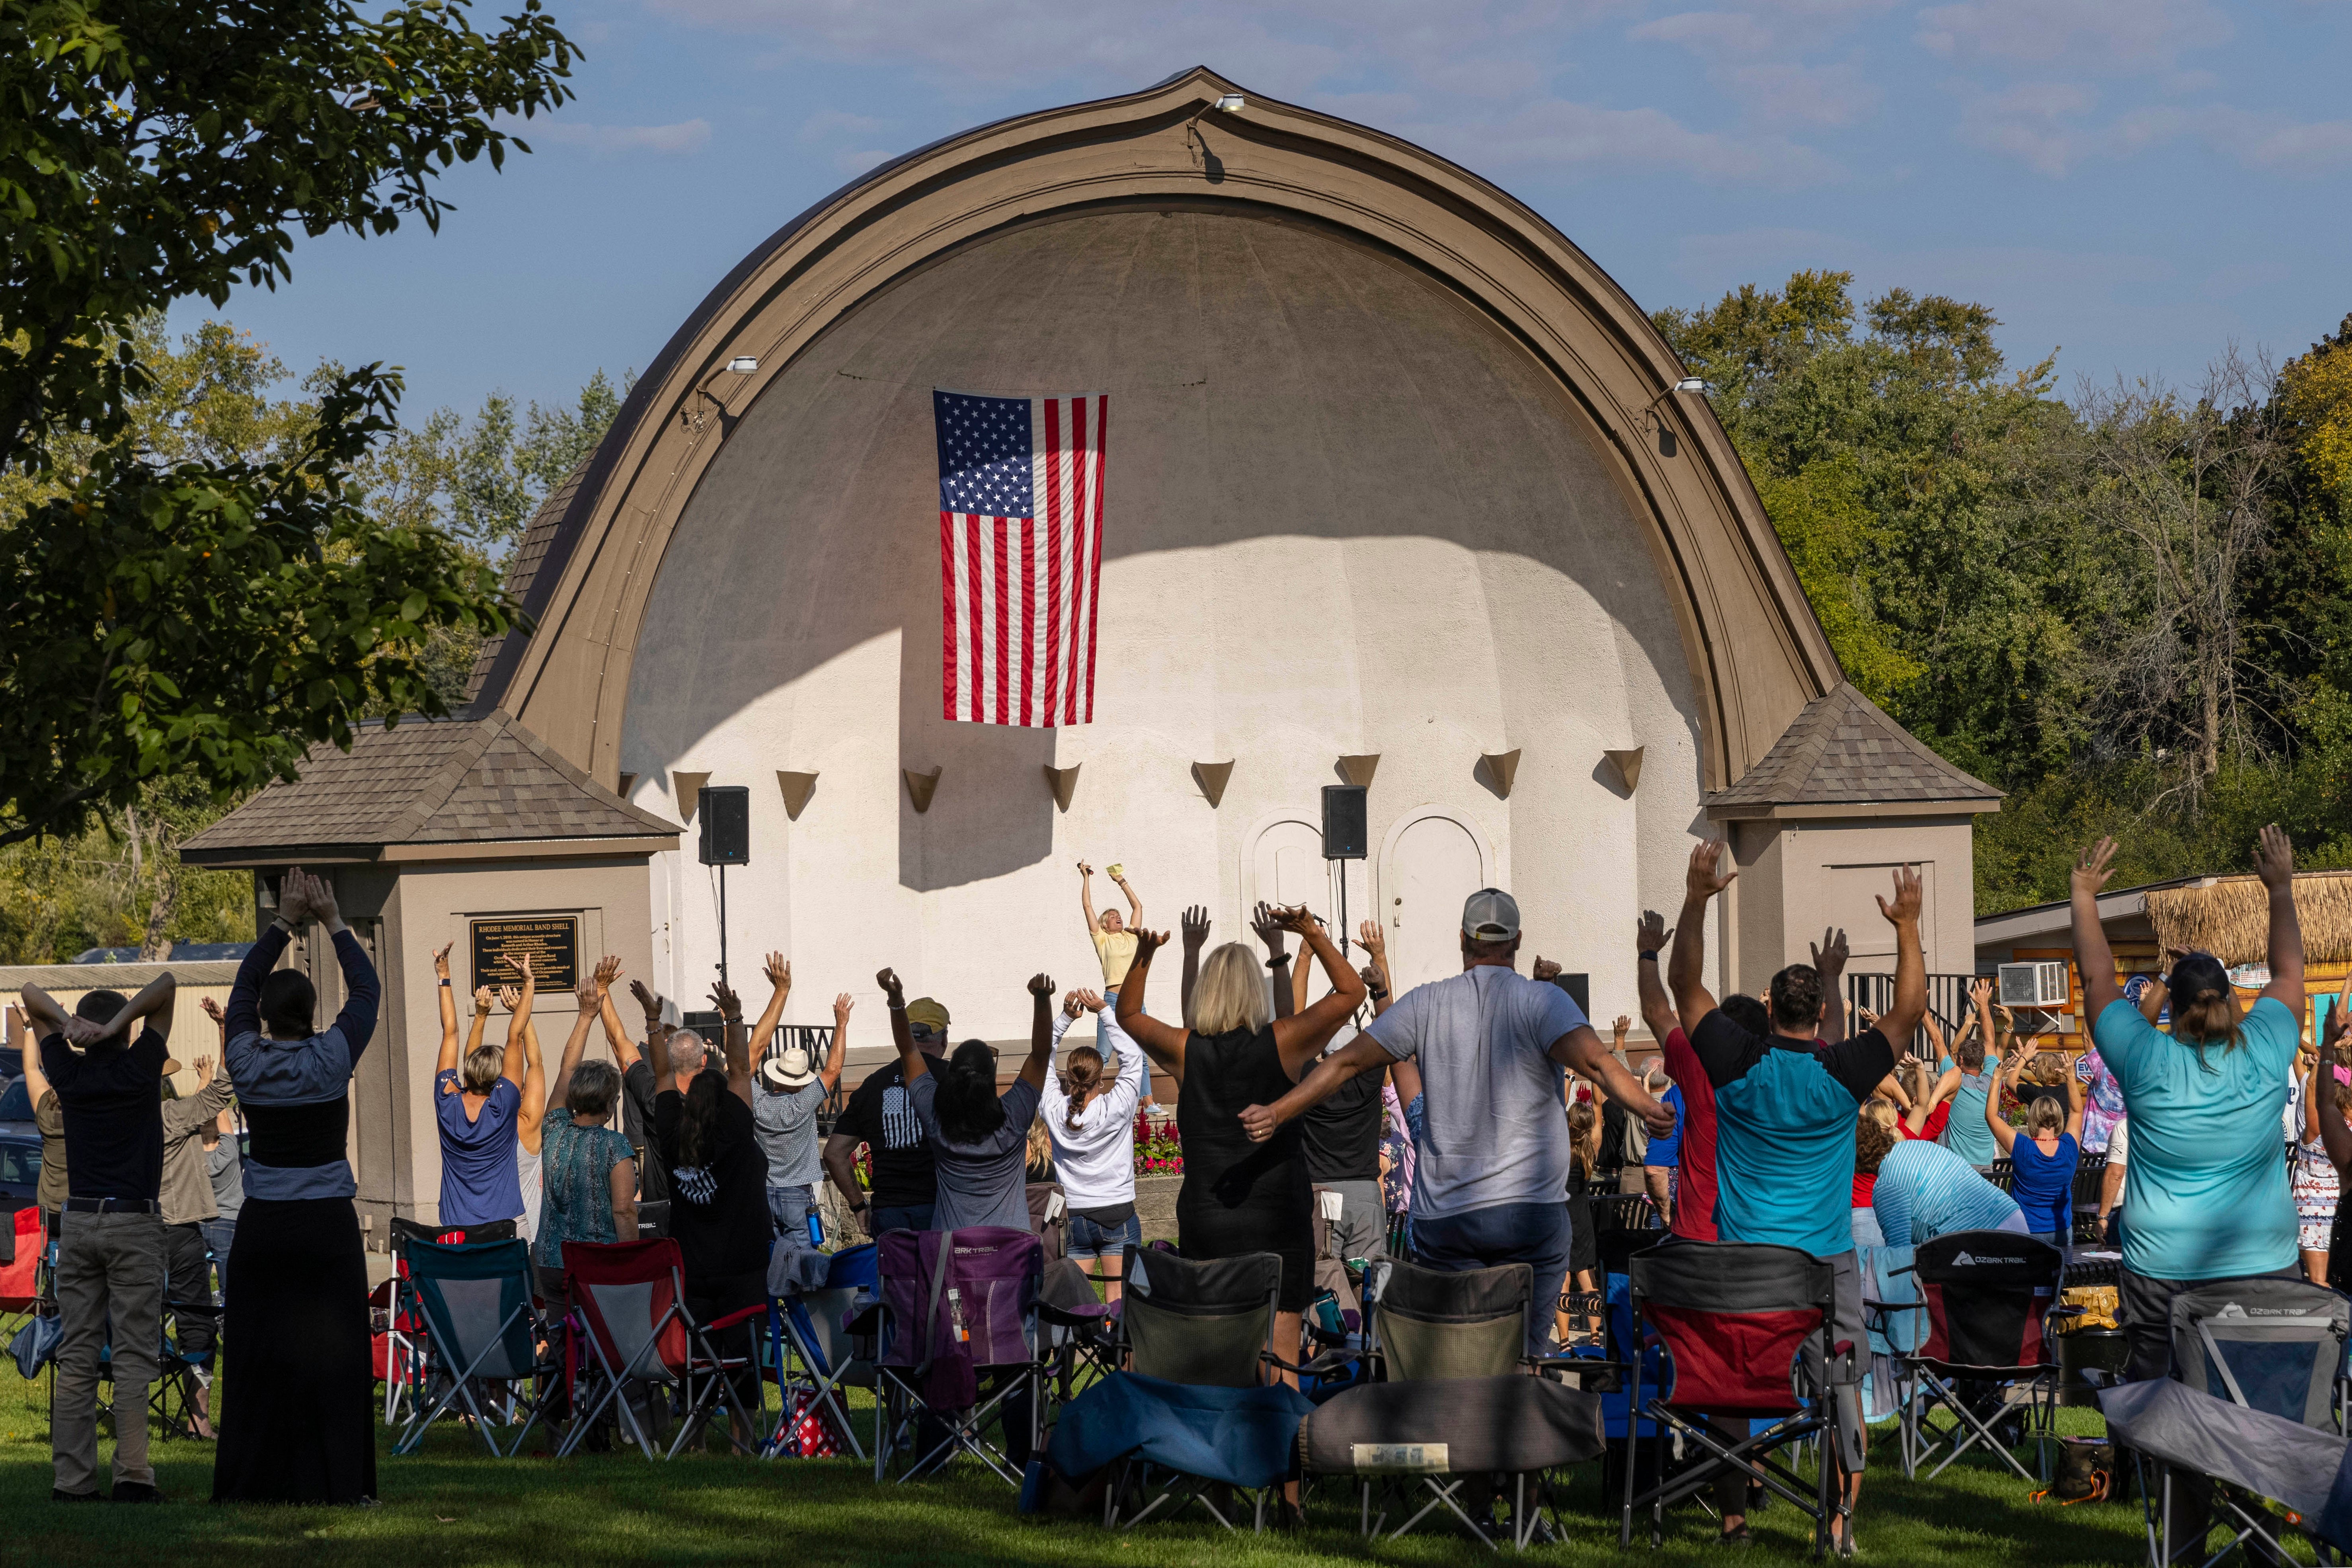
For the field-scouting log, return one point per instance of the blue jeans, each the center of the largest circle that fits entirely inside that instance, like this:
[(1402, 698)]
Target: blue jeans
[(1534, 1234), (1087, 1239), (1111, 1009), (789, 1208), (219, 1235), (913, 1217)]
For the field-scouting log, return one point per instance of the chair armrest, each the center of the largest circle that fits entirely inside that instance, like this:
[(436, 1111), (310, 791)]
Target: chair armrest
[(735, 1317)]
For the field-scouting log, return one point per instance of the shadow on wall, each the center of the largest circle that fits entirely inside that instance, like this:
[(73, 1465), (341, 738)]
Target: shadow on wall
[(977, 827)]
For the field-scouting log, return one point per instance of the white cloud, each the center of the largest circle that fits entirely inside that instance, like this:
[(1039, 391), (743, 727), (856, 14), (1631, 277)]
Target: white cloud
[(2103, 36), (1584, 137), (1786, 93), (2044, 126), (608, 141), (858, 162)]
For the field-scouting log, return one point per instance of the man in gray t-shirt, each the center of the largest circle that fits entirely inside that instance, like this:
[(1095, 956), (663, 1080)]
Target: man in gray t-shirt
[(1491, 1178), (787, 1092)]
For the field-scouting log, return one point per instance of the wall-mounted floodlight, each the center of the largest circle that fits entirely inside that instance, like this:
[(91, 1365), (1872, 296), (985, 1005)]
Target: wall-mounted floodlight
[(1693, 383), (744, 364), (1690, 385), (1232, 102)]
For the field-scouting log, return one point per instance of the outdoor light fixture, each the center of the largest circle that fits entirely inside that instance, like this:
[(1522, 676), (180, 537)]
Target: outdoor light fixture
[(1691, 384), (1232, 102), (744, 364)]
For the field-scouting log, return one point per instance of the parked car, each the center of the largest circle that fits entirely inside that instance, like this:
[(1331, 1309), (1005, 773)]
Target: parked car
[(20, 1168)]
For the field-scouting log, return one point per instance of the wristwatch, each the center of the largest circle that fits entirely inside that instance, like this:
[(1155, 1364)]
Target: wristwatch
[(1649, 955), (1277, 958), (861, 1208)]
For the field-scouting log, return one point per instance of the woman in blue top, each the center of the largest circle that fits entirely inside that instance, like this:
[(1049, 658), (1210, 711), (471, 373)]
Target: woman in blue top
[(1967, 1082), (480, 1110), (2044, 1158)]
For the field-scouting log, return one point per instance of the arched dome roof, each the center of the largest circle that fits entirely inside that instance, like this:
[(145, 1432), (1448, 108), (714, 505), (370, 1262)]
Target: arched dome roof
[(586, 569)]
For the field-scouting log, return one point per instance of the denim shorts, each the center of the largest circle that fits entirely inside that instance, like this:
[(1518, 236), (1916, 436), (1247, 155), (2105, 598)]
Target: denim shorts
[(1087, 1239)]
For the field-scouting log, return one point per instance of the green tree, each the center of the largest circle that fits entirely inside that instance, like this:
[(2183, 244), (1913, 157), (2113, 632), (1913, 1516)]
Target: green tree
[(177, 615)]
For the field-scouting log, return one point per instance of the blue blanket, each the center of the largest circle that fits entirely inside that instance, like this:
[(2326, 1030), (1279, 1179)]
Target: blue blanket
[(1242, 1437)]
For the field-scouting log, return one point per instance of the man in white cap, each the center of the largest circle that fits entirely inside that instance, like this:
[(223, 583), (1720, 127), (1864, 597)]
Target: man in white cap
[(788, 1092), (1494, 1046)]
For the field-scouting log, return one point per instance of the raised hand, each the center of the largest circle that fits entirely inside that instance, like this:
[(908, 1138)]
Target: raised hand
[(1980, 991), (319, 894), (1085, 869), (1147, 942), (1195, 924), (1297, 920), (1266, 921), (203, 1068), (212, 1011), (723, 997), (1620, 1028), (888, 979), (779, 970), (520, 963), (509, 998), (1544, 970), (2274, 859), (1704, 878), (2090, 874), (590, 995), (1041, 985), (1375, 941), (294, 897), (1830, 956), (482, 999), (1091, 1001), (1905, 909), (608, 969), (841, 1006), (649, 1000), (440, 959), (1651, 934), (1072, 1005)]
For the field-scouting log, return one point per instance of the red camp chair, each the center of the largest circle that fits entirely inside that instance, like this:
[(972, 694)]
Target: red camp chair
[(631, 1296), (1990, 1297), (1749, 1329), (20, 1281)]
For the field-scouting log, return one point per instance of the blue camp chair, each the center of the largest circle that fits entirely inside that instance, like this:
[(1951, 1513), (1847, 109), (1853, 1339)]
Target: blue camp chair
[(482, 1328), (2275, 1345), (815, 1355)]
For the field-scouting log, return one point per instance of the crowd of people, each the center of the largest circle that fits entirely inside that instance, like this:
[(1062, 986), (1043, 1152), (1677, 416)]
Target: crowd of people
[(1482, 1111)]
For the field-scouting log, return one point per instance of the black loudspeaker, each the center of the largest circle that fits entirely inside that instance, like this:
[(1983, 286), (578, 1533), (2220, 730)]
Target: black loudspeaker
[(725, 811), (1343, 822), (1580, 990)]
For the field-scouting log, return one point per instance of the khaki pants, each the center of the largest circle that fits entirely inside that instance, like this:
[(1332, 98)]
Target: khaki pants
[(109, 1266)]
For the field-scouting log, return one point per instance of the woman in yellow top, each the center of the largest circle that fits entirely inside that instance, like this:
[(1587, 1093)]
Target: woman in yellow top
[(1114, 941)]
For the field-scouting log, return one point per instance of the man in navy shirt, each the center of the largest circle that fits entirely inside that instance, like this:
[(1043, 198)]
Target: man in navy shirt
[(1785, 1103), (111, 1231)]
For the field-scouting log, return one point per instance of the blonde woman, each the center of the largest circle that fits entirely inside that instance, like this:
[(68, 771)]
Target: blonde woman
[(1584, 1246), (1238, 1195), (2044, 1156)]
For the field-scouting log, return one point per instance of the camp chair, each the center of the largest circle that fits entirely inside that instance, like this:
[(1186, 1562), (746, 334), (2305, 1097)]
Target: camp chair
[(815, 1354), (1749, 1331), (1449, 1341), (476, 1301), (1203, 1324), (395, 1345), (2301, 1468), (2268, 1344), (955, 1305), (632, 1297), (20, 1277), (1990, 1297)]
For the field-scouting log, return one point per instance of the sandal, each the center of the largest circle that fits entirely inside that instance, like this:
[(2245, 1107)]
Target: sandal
[(1743, 1536)]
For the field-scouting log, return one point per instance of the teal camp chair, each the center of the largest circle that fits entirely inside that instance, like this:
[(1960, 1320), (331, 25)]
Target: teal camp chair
[(482, 1328)]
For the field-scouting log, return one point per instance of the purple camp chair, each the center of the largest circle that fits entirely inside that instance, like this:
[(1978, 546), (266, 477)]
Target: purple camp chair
[(957, 1305)]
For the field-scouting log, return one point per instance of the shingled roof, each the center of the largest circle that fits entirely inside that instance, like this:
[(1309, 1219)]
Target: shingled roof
[(1843, 751), (522, 568), (449, 783)]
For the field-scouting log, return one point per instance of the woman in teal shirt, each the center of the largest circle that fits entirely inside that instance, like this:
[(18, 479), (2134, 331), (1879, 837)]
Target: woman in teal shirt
[(1969, 1073)]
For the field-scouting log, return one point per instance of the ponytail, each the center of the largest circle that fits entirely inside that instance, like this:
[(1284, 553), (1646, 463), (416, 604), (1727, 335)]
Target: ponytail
[(1085, 1074)]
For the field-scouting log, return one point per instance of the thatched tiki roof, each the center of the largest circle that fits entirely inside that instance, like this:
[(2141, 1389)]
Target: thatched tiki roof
[(2229, 917)]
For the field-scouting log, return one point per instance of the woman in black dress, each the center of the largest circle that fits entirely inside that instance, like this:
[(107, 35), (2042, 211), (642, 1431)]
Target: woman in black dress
[(297, 1389), (1240, 1196)]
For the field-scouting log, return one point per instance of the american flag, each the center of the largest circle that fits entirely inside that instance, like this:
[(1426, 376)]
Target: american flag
[(1019, 556)]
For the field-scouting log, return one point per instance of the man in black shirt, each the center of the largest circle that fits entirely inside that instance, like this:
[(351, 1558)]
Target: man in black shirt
[(881, 1115), (1341, 1136), (110, 1231)]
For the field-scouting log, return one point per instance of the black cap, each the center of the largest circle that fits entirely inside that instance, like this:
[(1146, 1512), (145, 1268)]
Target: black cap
[(2196, 975)]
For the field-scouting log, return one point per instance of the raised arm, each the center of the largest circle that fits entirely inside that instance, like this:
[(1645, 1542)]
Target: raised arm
[(2152, 998), (1134, 904), (47, 1018), (518, 1061), (1362, 1054), (2078, 1093), (362, 992), (1685, 974), (2092, 955), (894, 996), (1042, 1033), (37, 1082), (592, 1003), (1086, 896), (1902, 1017), (534, 1083), (1195, 929), (2004, 1076), (2334, 1135), (153, 1003), (736, 1040), (2274, 863), (828, 1077), (1165, 1045), (1377, 982), (1299, 979), (1650, 936), (779, 986), (1830, 959), (1299, 1039), (1266, 921), (1981, 1008), (244, 1012)]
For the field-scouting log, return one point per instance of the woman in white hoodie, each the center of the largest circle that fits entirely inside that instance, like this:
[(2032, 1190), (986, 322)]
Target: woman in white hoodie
[(1093, 1127)]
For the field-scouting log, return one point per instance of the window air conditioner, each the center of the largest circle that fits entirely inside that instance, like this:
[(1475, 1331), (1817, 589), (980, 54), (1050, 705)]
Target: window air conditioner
[(2031, 984)]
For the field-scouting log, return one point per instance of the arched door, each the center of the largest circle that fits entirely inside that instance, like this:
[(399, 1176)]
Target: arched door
[(1286, 866), (1431, 864)]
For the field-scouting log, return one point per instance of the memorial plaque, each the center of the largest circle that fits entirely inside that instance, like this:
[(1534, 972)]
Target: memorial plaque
[(551, 940)]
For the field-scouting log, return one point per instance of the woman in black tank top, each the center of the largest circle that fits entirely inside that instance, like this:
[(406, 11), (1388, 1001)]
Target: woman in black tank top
[(1239, 1196)]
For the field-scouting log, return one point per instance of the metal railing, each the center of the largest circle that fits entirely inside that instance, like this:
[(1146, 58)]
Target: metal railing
[(814, 1038), (1948, 1004)]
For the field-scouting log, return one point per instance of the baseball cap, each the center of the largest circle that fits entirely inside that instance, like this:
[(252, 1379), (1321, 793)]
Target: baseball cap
[(787, 1069), (1490, 915), (925, 1013), (2197, 972)]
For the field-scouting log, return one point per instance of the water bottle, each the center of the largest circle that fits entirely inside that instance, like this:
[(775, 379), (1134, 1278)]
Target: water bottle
[(956, 1325)]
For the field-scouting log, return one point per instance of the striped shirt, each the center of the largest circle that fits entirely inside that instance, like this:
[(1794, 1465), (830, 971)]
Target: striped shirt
[(1926, 1191)]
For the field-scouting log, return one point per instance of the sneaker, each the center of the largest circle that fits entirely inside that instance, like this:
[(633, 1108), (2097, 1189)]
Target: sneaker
[(58, 1495), (136, 1491)]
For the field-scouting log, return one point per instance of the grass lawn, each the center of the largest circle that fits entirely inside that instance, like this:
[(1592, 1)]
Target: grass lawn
[(452, 1503)]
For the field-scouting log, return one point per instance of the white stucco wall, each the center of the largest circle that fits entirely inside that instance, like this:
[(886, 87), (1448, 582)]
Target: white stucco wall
[(1344, 514)]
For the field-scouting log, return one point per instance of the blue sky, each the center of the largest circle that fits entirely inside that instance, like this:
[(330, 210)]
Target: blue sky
[(2135, 184)]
